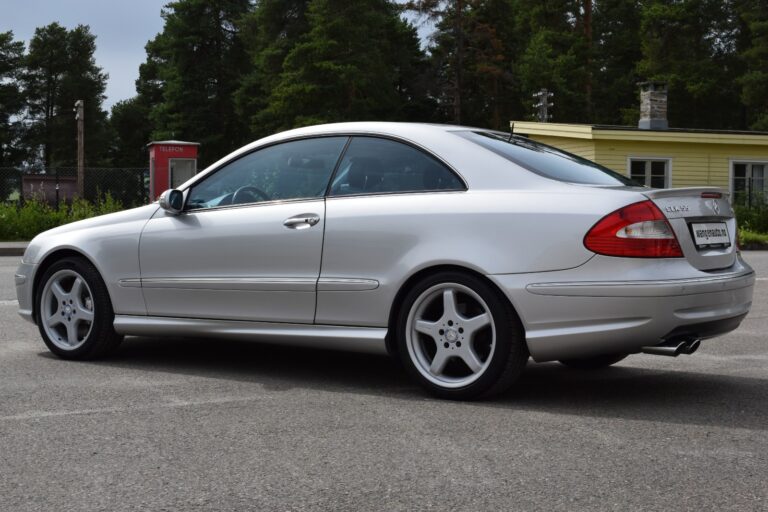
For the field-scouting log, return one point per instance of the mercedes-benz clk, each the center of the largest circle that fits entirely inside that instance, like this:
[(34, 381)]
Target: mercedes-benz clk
[(460, 251)]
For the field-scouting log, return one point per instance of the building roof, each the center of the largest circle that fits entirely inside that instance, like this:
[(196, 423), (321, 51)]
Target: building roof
[(631, 133), (173, 142)]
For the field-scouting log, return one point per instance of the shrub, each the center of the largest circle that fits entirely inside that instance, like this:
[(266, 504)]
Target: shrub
[(754, 219), (750, 239), (34, 216)]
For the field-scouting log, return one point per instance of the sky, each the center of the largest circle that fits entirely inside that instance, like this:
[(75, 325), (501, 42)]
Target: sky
[(122, 28)]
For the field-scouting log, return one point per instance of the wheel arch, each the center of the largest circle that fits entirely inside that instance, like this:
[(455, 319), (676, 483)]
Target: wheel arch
[(45, 264), (416, 277)]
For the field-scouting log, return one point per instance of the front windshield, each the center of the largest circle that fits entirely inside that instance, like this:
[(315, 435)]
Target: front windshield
[(547, 160)]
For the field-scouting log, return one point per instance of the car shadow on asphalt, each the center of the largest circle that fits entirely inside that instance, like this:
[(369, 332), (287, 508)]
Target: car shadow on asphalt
[(624, 391)]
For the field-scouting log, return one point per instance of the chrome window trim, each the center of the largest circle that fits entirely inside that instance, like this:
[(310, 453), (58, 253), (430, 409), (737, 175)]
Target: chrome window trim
[(406, 142), (349, 135), (250, 205), (266, 146)]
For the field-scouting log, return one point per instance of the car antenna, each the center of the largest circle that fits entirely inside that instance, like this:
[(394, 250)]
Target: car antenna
[(511, 131)]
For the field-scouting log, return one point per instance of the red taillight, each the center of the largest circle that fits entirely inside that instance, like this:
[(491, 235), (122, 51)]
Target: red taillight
[(639, 230)]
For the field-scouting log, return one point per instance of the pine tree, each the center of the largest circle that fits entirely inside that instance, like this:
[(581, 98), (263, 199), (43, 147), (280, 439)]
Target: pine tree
[(269, 33), (11, 102), (557, 56), (130, 133), (617, 49), (490, 92), (690, 44), (196, 65), (60, 69), (754, 81), (353, 64)]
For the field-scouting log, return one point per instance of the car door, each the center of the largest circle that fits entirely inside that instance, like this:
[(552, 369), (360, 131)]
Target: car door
[(248, 244), (388, 202)]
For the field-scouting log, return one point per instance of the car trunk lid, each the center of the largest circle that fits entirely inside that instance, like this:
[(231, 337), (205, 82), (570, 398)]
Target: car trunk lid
[(703, 221)]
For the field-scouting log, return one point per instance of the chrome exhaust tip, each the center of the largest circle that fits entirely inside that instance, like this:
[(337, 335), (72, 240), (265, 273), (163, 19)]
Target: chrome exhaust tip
[(691, 347), (674, 347)]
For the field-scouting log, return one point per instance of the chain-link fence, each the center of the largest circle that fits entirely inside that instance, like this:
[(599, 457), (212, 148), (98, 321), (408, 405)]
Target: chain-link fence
[(129, 186)]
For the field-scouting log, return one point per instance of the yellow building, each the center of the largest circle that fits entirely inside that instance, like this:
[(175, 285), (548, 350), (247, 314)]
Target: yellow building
[(735, 161)]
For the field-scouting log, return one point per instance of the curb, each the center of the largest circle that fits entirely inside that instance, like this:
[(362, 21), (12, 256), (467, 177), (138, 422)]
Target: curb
[(12, 249)]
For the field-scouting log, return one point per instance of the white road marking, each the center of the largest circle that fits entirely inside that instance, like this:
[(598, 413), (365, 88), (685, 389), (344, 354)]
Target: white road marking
[(9, 303)]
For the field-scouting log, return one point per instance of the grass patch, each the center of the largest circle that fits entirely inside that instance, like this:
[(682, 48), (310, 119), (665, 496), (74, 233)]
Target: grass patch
[(750, 239)]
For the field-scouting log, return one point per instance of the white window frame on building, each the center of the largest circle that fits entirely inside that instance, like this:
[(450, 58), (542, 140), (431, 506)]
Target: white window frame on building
[(752, 167), (648, 175)]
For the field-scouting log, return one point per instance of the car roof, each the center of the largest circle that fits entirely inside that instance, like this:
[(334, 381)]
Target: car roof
[(478, 167)]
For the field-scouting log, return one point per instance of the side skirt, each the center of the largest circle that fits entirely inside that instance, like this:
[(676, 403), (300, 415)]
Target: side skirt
[(354, 339)]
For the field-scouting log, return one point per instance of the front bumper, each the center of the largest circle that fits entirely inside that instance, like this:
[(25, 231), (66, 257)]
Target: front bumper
[(583, 313), (24, 280)]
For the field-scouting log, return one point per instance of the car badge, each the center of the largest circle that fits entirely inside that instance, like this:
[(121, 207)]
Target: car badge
[(715, 207)]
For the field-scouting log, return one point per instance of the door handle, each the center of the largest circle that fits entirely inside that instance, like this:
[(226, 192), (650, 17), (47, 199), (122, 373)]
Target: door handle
[(301, 221)]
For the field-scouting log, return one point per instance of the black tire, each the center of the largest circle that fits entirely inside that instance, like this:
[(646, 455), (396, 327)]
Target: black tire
[(504, 364), (101, 339), (593, 363)]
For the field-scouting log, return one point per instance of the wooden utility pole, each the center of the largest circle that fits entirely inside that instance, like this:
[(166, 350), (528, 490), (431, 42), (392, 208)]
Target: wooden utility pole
[(80, 116)]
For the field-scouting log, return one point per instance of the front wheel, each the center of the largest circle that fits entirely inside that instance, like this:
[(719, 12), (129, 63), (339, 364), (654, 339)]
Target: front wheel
[(74, 312), (459, 338)]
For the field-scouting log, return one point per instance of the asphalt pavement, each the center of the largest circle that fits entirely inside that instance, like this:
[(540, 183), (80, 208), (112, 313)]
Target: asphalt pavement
[(172, 424)]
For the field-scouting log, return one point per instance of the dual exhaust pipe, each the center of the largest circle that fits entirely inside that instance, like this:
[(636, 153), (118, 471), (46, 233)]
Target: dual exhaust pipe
[(673, 347)]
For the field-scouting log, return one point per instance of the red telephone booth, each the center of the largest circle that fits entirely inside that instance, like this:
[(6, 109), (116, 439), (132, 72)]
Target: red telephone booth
[(171, 163)]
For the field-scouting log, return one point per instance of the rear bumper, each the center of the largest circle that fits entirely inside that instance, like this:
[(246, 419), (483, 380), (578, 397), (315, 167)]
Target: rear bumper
[(583, 316)]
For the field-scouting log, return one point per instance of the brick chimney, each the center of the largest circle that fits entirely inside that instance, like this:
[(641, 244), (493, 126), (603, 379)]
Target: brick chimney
[(653, 106)]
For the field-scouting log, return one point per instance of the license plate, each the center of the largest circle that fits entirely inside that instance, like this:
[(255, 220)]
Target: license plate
[(708, 234)]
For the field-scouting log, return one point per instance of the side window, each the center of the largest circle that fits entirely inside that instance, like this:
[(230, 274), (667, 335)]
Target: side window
[(373, 166), (292, 170)]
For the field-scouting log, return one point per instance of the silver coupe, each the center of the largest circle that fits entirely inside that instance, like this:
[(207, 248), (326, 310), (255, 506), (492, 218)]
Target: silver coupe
[(460, 251)]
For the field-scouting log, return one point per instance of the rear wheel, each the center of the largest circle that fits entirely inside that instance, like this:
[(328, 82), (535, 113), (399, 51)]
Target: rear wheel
[(458, 338), (593, 363), (74, 312)]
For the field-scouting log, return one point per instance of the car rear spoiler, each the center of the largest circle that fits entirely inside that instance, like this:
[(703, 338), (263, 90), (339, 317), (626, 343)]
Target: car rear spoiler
[(659, 193)]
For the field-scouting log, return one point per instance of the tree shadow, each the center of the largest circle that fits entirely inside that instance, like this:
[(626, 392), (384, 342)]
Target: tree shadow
[(623, 392)]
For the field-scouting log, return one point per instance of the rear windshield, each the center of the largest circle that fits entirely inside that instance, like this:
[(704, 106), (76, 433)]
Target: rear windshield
[(546, 160)]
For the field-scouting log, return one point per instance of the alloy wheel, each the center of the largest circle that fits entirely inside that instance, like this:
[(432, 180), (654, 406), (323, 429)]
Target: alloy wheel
[(67, 309), (450, 335)]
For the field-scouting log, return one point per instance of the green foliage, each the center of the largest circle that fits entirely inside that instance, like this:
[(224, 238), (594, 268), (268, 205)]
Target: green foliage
[(750, 238), (616, 51), (33, 217), (193, 70), (354, 63), (752, 218), (223, 72), (11, 102), (691, 45), (754, 81), (59, 70), (269, 32), (131, 132)]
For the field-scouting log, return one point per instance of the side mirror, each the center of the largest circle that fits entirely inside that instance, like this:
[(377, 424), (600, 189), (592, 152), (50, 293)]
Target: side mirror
[(172, 201)]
